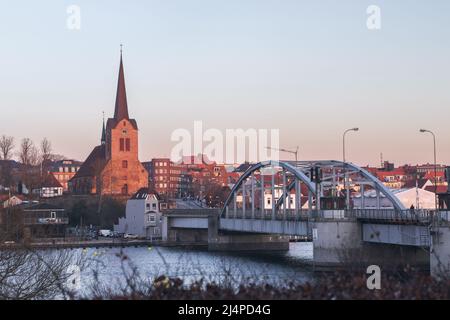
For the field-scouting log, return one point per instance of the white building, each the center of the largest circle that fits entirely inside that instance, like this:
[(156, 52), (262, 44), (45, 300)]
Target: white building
[(278, 195), (417, 197), (142, 216), (268, 197), (10, 201)]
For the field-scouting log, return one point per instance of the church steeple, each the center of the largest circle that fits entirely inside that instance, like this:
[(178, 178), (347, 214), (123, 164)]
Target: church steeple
[(121, 109), (103, 141)]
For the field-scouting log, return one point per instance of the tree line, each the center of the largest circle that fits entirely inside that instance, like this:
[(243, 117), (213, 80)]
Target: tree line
[(34, 161)]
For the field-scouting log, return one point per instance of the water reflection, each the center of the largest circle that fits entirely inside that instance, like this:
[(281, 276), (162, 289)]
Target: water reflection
[(190, 265)]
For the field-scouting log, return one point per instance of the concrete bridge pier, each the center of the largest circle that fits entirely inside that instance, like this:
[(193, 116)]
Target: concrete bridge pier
[(339, 244), (243, 242), (440, 252)]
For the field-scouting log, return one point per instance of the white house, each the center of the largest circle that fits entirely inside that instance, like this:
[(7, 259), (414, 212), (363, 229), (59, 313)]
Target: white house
[(142, 216), (268, 197), (278, 195), (12, 201), (50, 187), (417, 197)]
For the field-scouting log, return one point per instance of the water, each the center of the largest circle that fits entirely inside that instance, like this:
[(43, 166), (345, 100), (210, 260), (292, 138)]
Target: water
[(191, 265)]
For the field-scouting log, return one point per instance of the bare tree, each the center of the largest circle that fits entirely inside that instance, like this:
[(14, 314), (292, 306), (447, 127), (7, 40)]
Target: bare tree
[(6, 147), (46, 150), (28, 154)]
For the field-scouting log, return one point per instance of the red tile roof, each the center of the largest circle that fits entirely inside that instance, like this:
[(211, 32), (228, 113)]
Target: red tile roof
[(440, 189)]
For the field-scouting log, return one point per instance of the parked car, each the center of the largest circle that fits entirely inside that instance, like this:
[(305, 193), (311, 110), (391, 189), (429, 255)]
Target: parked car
[(105, 233), (130, 236), (117, 234)]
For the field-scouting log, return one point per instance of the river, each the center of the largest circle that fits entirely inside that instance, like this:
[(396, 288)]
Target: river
[(191, 265)]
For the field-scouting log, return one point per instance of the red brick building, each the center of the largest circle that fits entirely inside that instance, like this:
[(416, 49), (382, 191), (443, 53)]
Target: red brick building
[(166, 178), (177, 180), (113, 167)]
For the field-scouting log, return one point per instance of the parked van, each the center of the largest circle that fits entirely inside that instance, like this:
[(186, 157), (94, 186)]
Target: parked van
[(105, 233)]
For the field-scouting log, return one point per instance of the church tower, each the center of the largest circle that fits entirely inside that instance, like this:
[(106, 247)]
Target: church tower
[(113, 168), (124, 173)]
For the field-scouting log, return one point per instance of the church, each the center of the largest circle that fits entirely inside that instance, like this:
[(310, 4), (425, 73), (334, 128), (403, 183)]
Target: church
[(113, 167)]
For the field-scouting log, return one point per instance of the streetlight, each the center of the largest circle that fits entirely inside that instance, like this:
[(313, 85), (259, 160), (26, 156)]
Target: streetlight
[(435, 166), (287, 151), (346, 184)]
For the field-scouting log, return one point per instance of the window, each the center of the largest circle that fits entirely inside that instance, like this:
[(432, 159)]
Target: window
[(122, 148), (127, 144), (124, 164), (125, 189)]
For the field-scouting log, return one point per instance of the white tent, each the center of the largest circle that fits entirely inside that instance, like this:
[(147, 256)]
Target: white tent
[(419, 198)]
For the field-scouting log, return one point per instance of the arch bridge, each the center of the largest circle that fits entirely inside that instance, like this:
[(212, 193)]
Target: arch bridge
[(281, 196)]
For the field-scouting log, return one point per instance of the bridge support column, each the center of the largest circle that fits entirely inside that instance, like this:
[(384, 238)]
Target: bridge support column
[(249, 242), (243, 242), (440, 252), (339, 244)]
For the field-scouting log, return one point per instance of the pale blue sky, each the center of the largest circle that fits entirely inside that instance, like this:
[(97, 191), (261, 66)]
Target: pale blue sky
[(310, 68)]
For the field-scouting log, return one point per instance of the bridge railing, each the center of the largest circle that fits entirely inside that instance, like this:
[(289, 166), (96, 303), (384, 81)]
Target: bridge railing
[(267, 214), (399, 216), (403, 216), (442, 217)]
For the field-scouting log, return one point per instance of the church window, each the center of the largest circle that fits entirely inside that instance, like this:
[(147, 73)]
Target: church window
[(125, 189), (122, 147), (127, 144), (124, 164)]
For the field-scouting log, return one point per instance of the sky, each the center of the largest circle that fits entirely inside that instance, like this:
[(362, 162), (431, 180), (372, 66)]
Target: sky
[(311, 69)]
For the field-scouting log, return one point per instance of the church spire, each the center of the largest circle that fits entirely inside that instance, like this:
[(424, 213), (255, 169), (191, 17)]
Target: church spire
[(121, 109), (103, 141)]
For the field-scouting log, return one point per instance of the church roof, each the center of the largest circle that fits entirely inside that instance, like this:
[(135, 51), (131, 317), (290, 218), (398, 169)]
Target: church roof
[(50, 181), (94, 163), (103, 139), (121, 109)]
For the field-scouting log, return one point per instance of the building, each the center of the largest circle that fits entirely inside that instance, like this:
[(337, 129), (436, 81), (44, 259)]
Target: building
[(167, 178), (424, 168), (10, 201), (143, 216), (113, 167), (394, 179), (10, 175), (44, 221), (64, 170), (50, 187)]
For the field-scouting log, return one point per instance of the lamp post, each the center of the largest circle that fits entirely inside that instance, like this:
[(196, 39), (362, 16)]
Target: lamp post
[(346, 184), (435, 166), (288, 151)]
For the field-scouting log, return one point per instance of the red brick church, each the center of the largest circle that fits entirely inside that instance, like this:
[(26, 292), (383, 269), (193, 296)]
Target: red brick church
[(113, 167)]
